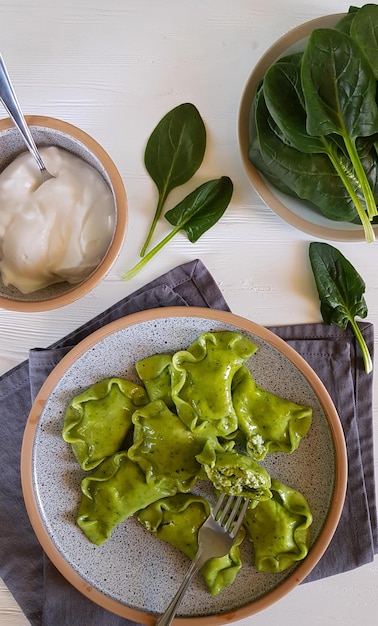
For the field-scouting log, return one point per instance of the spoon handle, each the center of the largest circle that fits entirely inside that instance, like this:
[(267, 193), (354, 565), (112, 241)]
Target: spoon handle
[(10, 102)]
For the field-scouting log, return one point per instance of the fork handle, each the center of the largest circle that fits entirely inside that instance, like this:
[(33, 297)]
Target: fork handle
[(168, 616), (10, 102)]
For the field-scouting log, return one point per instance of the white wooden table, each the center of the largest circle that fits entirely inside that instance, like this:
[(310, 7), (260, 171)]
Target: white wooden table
[(114, 68)]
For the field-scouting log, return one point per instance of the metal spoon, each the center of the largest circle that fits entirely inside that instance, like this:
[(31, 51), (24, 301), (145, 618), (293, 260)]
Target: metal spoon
[(10, 102)]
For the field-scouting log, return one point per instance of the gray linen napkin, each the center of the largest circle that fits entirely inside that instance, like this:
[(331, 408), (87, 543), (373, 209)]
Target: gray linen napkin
[(45, 596), (334, 356)]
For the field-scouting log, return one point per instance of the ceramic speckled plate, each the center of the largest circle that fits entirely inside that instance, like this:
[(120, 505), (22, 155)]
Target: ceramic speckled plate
[(299, 213), (132, 573)]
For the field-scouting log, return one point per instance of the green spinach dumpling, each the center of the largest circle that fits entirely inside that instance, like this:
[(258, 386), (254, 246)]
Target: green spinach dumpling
[(177, 520), (98, 419), (234, 473), (164, 448), (112, 493), (269, 423), (279, 529), (155, 373), (201, 381)]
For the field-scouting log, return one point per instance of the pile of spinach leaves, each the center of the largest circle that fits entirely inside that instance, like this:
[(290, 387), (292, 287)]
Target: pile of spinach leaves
[(316, 120), (173, 154)]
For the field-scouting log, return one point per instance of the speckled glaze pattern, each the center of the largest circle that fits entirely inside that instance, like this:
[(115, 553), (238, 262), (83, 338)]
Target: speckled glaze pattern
[(133, 568), (58, 134)]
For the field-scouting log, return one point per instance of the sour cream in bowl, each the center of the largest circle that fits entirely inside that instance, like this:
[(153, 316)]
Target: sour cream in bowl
[(58, 239)]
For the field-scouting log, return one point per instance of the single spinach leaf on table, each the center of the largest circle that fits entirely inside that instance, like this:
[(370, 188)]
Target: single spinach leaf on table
[(202, 208), (341, 292), (173, 154), (195, 214), (339, 89)]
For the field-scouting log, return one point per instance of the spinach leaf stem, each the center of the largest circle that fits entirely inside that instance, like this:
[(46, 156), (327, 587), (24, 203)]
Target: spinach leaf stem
[(159, 208), (371, 206), (147, 257), (364, 349), (195, 214), (366, 224)]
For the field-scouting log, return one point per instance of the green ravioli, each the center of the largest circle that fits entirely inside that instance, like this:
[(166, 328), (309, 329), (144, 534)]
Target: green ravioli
[(155, 373), (234, 473), (112, 493), (279, 529), (201, 381), (177, 520), (269, 423), (98, 420), (164, 448), (197, 415)]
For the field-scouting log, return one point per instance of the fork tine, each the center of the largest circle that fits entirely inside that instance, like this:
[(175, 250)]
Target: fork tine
[(218, 504), (225, 511), (233, 503), (233, 513), (240, 519)]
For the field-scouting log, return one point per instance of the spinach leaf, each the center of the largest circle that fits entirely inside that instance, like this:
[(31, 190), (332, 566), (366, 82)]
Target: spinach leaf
[(364, 30), (338, 85), (174, 152), (195, 214), (202, 208), (341, 292), (311, 177), (367, 150), (345, 23), (284, 98), (339, 89), (255, 157)]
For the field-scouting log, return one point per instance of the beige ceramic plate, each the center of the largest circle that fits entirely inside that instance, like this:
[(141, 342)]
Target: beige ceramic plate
[(300, 214), (132, 573)]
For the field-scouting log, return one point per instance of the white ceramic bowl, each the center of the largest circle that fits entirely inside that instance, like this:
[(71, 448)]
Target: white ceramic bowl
[(48, 131), (299, 213)]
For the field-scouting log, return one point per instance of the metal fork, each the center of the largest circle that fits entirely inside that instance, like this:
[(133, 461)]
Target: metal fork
[(9, 99), (215, 538)]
